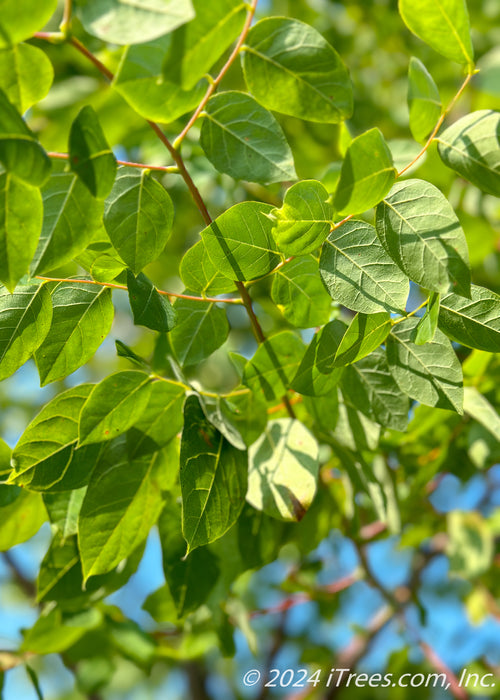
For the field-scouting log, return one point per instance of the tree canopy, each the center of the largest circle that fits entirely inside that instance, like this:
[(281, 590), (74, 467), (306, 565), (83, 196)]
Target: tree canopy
[(249, 349)]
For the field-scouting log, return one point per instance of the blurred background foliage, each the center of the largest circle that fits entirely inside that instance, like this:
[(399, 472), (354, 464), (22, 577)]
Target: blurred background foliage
[(439, 576)]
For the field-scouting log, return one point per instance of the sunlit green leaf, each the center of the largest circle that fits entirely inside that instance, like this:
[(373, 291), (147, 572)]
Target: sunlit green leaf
[(113, 406), (122, 22), (358, 273), (283, 469), (239, 242), (19, 19), (471, 147), (304, 220), (82, 317), (443, 24), (21, 209), (421, 232), (26, 74), (138, 217), (90, 156), (244, 140), (299, 293), (424, 331), (201, 328), (365, 334), (213, 479), (122, 503), (424, 101), (272, 368), (196, 46), (71, 216), (367, 174), (429, 373), (25, 318), (20, 152), (21, 519), (315, 375), (150, 308), (309, 82), (199, 274), (474, 322)]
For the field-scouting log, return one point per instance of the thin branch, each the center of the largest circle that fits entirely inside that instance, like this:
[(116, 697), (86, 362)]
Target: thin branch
[(90, 56), (111, 285), (126, 163), (24, 582), (213, 85), (66, 19), (438, 124)]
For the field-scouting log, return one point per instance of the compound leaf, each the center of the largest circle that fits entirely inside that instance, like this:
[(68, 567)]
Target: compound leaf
[(365, 334), (201, 329), (474, 322), (26, 74), (299, 293)]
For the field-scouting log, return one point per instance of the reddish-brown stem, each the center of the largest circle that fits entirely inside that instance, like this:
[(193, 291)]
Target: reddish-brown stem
[(111, 285), (215, 82), (126, 163), (437, 127)]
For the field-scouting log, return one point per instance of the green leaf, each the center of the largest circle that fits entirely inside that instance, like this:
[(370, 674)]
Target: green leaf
[(187, 588), (122, 503), (304, 220), (113, 406), (421, 232), (160, 421), (138, 217), (471, 545), (140, 81), (471, 147), (45, 450), (25, 318), (34, 681), (82, 318), (21, 209), (201, 328), (283, 470), (239, 241), (365, 334), (150, 309), (90, 156), (474, 322), (443, 24), (20, 19), (315, 375), (299, 293), (358, 273), (366, 176), (196, 46), (271, 369), (26, 74), (71, 218), (369, 386), (5, 455), (123, 22), (244, 140), (55, 631), (213, 479), (100, 258), (353, 429), (424, 331), (290, 68), (20, 152), (199, 274), (424, 101), (63, 509), (21, 519), (479, 408), (429, 373)]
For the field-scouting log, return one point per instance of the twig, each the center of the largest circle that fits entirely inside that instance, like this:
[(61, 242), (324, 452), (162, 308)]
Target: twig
[(127, 163), (24, 582), (124, 286), (215, 82)]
